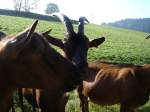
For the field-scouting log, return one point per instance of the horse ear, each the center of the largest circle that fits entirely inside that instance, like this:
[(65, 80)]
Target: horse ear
[(16, 45), (96, 42)]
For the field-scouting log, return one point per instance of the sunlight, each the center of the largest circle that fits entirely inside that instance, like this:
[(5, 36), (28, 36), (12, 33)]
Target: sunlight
[(97, 11)]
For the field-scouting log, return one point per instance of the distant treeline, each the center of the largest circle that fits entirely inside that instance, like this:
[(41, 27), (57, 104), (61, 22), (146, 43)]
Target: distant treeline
[(30, 15), (134, 24)]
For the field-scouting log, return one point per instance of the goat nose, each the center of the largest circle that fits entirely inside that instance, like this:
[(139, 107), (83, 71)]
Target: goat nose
[(82, 67), (82, 64)]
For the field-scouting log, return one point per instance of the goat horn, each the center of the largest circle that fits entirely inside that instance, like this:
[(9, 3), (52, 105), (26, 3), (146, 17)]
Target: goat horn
[(66, 21), (81, 25)]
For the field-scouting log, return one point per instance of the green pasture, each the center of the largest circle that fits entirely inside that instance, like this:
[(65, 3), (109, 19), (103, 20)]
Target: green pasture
[(121, 45)]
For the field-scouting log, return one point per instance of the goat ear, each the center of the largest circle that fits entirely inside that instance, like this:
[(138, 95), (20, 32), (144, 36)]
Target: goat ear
[(24, 36), (14, 46), (32, 29), (55, 41), (96, 42), (47, 32)]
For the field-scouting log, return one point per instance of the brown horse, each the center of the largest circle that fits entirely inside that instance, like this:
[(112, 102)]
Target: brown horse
[(75, 47), (28, 61)]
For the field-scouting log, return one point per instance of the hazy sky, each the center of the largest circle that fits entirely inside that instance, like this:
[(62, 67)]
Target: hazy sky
[(97, 11)]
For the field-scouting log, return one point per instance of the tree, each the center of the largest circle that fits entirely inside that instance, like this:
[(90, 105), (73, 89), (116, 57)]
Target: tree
[(29, 5), (17, 4), (25, 5), (51, 8)]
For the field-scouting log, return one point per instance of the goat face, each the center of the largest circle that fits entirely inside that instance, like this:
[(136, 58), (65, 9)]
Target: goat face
[(32, 60), (75, 49), (75, 45)]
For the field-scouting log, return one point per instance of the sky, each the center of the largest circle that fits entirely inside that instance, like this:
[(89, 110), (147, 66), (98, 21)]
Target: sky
[(96, 11)]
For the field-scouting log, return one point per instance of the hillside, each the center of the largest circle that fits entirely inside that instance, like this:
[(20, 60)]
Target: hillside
[(121, 45), (135, 24), (30, 15)]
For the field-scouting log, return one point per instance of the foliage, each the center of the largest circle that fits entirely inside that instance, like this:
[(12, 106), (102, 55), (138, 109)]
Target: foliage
[(25, 5), (51, 8), (121, 45), (135, 24), (29, 15), (17, 5)]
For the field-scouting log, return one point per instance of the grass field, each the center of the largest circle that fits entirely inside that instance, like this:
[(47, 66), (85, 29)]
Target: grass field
[(121, 45)]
